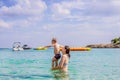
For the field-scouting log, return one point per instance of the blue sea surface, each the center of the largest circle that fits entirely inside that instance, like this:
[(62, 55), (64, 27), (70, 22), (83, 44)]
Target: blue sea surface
[(97, 64)]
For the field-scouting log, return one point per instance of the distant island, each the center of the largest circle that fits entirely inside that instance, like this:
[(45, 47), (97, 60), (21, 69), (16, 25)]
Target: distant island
[(115, 43)]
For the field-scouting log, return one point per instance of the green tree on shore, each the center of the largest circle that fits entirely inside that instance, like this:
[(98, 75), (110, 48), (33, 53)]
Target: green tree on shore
[(116, 41)]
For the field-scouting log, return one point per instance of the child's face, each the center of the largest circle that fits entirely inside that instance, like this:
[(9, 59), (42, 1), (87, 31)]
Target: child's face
[(53, 42)]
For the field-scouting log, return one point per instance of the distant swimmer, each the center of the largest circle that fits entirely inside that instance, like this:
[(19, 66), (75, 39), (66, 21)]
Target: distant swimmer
[(64, 60), (56, 52)]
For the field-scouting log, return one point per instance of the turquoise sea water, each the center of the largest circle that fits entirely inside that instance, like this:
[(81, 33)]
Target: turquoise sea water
[(97, 64)]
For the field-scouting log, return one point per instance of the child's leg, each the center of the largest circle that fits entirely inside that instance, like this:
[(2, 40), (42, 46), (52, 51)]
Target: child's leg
[(53, 60), (56, 63)]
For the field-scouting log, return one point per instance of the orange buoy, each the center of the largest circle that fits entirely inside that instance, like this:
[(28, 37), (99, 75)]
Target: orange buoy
[(79, 49)]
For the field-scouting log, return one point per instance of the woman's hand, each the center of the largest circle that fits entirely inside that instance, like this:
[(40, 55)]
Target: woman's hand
[(55, 68)]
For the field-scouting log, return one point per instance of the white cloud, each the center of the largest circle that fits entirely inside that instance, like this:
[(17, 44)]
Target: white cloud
[(24, 7), (116, 3), (71, 9), (92, 26), (61, 9), (4, 24), (24, 12), (64, 9)]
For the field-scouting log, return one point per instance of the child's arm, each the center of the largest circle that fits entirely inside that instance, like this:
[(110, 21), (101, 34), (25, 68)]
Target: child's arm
[(61, 46), (48, 46)]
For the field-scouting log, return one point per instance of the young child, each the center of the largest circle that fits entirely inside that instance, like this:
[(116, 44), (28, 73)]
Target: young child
[(56, 52)]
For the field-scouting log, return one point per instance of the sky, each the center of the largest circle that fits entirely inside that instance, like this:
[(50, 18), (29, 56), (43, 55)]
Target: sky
[(75, 23)]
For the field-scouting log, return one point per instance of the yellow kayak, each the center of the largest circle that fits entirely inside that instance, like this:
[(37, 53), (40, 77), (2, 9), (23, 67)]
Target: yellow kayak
[(40, 48)]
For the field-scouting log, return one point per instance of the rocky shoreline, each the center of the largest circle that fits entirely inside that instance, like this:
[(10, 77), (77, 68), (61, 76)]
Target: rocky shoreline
[(103, 46)]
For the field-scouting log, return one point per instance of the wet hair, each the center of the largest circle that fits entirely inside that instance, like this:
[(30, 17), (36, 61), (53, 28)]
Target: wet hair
[(67, 48), (54, 39)]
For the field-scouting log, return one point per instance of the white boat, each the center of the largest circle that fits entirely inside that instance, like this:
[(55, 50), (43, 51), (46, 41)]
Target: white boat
[(17, 46)]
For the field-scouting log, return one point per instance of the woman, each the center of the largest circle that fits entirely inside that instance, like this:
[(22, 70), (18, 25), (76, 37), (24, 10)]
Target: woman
[(63, 66)]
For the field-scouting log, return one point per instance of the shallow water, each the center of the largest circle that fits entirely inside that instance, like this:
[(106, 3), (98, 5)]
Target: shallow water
[(97, 64)]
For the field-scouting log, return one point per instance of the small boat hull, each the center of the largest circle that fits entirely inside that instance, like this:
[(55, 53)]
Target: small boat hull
[(17, 49)]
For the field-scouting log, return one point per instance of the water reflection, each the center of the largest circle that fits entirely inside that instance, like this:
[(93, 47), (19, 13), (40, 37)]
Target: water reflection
[(60, 75)]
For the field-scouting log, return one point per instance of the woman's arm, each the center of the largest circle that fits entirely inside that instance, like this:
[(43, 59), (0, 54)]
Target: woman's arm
[(62, 62)]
